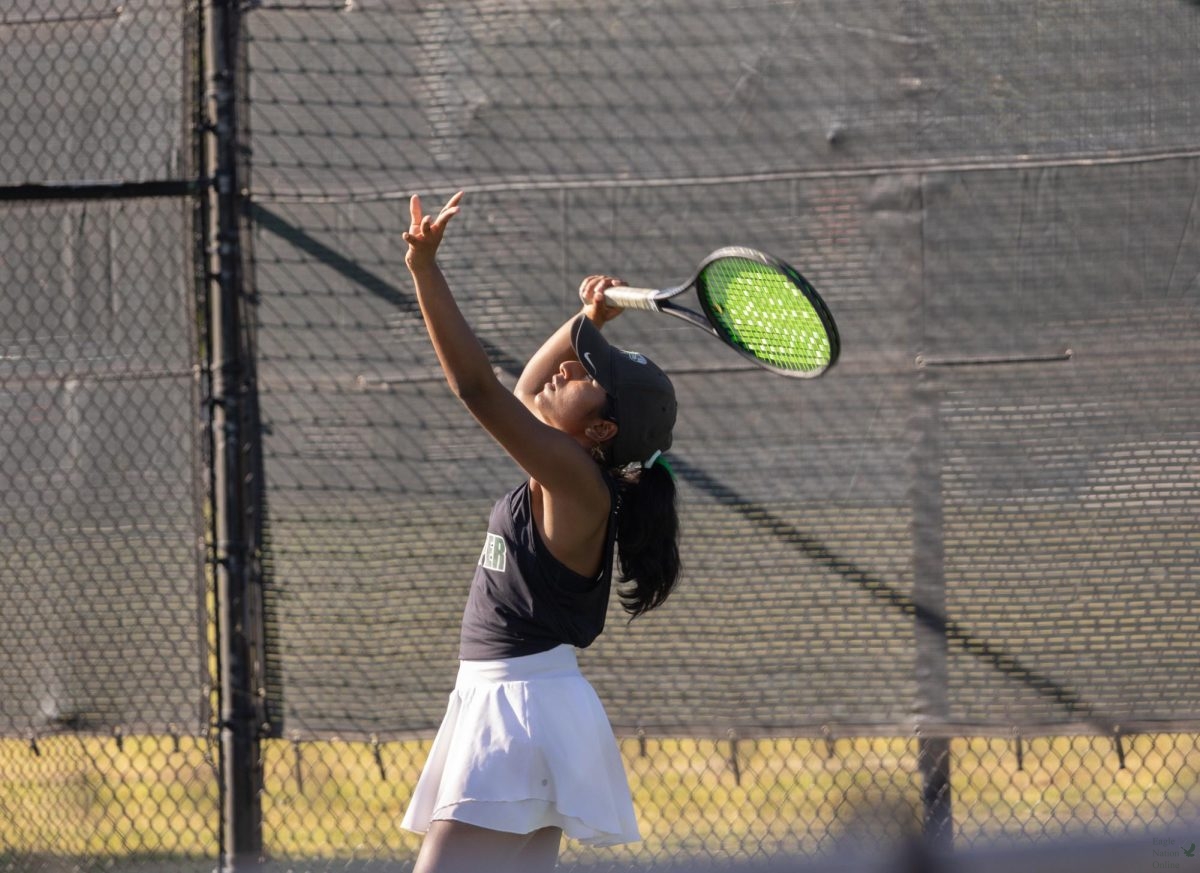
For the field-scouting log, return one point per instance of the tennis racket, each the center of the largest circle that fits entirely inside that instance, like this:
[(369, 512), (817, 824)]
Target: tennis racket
[(754, 303)]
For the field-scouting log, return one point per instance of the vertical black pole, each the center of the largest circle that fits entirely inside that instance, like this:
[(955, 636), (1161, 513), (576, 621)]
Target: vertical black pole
[(241, 771), (929, 598), (896, 210)]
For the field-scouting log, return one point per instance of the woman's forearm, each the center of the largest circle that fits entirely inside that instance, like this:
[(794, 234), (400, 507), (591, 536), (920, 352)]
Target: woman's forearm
[(462, 356), (558, 349), (545, 362)]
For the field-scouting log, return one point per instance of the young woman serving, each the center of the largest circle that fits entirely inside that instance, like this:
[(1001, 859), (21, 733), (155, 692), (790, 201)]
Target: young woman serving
[(525, 752)]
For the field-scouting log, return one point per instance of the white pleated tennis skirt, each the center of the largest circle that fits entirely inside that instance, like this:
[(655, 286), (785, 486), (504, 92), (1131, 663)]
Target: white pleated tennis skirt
[(525, 745)]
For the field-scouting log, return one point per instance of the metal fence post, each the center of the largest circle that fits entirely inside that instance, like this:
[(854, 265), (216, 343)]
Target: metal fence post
[(241, 766), (929, 599)]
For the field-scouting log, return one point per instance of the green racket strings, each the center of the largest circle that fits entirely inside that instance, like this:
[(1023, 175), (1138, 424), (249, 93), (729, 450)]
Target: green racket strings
[(761, 311)]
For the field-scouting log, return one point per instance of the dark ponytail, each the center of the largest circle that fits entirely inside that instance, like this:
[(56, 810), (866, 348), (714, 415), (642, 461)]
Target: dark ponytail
[(647, 538)]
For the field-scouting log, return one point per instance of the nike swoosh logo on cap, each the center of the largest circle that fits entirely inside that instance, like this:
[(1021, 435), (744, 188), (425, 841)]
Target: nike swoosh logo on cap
[(587, 356)]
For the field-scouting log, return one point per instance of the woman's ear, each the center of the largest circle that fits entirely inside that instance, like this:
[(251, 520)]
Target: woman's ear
[(601, 431)]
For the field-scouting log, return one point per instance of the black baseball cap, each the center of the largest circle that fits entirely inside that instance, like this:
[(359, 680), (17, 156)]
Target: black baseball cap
[(643, 397)]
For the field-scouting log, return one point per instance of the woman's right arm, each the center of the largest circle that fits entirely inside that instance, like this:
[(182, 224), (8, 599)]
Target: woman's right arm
[(549, 456), (462, 356)]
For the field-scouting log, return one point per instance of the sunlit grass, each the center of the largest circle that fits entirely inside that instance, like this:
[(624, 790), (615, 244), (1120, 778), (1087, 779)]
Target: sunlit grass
[(87, 796), (158, 796)]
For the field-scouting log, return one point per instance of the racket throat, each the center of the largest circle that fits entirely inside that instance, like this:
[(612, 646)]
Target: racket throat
[(691, 318)]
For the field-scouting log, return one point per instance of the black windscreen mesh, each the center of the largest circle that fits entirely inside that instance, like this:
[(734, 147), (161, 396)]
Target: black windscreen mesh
[(101, 531), (95, 90), (999, 206)]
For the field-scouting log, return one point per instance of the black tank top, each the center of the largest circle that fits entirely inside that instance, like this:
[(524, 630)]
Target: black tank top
[(523, 600)]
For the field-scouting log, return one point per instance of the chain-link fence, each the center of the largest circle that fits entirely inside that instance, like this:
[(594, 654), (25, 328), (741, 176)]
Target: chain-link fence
[(948, 589), (105, 684)]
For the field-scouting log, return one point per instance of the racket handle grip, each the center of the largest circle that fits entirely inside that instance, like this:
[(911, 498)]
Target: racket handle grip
[(624, 297)]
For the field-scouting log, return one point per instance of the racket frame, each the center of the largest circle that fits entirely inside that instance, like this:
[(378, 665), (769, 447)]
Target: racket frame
[(659, 300)]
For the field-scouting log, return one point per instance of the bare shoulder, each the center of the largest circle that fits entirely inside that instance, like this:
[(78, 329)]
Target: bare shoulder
[(572, 522)]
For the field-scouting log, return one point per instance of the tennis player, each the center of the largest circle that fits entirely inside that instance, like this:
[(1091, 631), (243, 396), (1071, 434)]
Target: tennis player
[(525, 752)]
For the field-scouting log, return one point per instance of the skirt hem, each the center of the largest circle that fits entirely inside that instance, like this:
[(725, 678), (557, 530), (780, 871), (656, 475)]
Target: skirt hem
[(524, 817)]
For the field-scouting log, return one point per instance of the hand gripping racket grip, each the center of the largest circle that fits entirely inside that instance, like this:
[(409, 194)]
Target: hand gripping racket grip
[(623, 297)]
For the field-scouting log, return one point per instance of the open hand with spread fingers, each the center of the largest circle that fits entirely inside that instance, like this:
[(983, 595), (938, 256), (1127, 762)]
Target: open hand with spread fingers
[(425, 233)]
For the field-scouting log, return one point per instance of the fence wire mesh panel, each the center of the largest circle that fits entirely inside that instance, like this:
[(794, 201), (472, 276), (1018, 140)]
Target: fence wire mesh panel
[(95, 90), (105, 761), (949, 589), (101, 620), (968, 554)]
